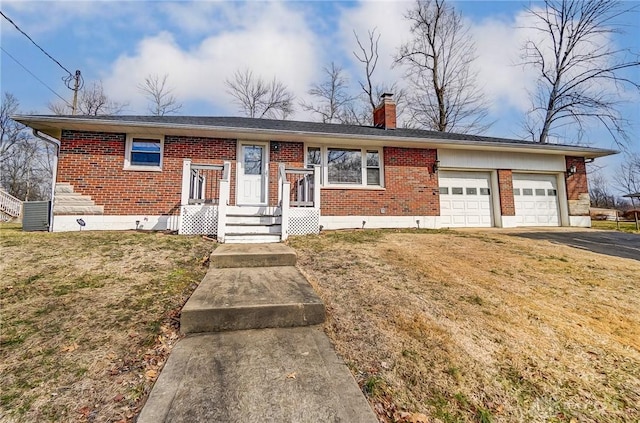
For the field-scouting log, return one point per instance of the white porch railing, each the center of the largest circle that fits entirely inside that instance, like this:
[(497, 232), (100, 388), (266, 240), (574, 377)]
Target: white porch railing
[(299, 200), (9, 205), (204, 197)]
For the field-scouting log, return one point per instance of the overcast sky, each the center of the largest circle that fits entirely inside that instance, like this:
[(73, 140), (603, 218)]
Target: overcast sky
[(200, 44)]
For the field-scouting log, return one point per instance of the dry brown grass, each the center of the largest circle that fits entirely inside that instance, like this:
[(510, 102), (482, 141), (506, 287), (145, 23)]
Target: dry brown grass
[(472, 326), (87, 320)]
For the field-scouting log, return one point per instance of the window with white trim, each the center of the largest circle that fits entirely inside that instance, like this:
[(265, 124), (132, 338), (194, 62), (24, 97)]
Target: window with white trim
[(347, 166), (144, 152)]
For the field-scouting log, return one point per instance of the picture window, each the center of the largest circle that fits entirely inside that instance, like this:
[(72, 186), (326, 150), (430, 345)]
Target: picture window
[(350, 167)]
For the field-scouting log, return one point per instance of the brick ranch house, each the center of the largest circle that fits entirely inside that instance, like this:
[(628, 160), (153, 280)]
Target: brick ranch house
[(253, 180)]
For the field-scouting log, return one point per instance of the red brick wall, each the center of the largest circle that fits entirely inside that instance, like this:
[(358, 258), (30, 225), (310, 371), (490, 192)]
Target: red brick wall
[(289, 153), (411, 189), (505, 183), (577, 183), (93, 163)]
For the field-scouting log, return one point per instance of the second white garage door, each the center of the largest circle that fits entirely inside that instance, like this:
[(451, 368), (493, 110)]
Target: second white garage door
[(536, 199), (465, 199)]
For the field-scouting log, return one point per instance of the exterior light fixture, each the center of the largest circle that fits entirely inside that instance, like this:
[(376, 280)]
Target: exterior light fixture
[(436, 166), (572, 170)]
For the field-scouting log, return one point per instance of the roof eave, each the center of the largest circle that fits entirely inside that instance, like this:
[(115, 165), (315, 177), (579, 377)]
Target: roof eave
[(53, 125)]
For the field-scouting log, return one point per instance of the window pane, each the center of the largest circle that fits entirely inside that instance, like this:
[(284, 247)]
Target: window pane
[(252, 159), (456, 191), (140, 144), (472, 191), (540, 191), (484, 191), (444, 190), (145, 159), (344, 166), (552, 192), (527, 191), (313, 156), (373, 176), (145, 152), (373, 158), (516, 191)]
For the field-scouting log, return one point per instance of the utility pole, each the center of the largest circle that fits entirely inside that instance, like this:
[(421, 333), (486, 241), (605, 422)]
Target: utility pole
[(76, 88)]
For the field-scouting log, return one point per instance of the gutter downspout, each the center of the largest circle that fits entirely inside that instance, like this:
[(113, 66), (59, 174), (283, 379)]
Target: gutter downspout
[(50, 140)]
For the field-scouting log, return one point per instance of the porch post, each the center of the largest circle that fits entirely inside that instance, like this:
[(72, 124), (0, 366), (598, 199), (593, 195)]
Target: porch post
[(284, 192), (223, 201), (316, 186), (186, 190), (186, 182)]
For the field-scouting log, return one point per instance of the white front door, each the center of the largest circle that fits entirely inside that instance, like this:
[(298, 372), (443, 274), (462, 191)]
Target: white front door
[(252, 173)]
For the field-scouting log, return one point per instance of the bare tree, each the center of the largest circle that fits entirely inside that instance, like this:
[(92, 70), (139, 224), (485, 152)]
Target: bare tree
[(627, 177), (332, 93), (438, 62), (258, 98), (159, 94), (599, 191), (24, 172), (368, 55), (92, 101), (11, 132), (580, 72)]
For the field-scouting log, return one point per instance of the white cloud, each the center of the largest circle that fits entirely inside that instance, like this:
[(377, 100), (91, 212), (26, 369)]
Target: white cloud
[(388, 18), (499, 47), (268, 38)]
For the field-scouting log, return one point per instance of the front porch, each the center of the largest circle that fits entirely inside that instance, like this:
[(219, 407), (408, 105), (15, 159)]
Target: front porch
[(209, 205)]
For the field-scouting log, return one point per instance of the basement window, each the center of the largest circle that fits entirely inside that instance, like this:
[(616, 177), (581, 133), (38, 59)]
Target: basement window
[(144, 152)]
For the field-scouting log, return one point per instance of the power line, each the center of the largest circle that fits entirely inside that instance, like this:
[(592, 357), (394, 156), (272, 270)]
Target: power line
[(32, 74), (35, 44)]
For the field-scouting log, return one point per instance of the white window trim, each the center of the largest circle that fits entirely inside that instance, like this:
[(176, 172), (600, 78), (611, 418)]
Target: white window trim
[(325, 173), (127, 153)]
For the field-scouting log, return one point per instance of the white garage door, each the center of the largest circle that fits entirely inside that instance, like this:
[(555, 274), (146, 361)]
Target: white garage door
[(465, 199), (536, 200)]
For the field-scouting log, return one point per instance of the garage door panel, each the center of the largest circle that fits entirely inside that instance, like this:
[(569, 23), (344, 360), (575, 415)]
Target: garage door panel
[(540, 206), (466, 201), (473, 205)]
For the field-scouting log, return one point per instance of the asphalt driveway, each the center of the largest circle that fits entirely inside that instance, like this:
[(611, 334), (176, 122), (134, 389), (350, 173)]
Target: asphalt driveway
[(619, 244)]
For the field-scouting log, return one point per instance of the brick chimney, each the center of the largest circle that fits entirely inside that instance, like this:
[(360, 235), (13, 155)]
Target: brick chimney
[(384, 116)]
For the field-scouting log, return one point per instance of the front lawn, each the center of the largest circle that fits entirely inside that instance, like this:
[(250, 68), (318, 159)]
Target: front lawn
[(613, 226), (480, 326), (88, 318)]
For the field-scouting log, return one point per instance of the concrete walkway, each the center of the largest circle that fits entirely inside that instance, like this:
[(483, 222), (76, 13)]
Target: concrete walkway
[(253, 351)]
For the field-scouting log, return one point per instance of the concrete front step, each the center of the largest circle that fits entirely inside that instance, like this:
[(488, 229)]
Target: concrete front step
[(241, 238), (251, 228), (253, 256), (251, 298), (270, 375), (253, 219)]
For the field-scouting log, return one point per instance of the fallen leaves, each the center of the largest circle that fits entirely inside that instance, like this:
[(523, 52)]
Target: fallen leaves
[(69, 348), (292, 375)]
